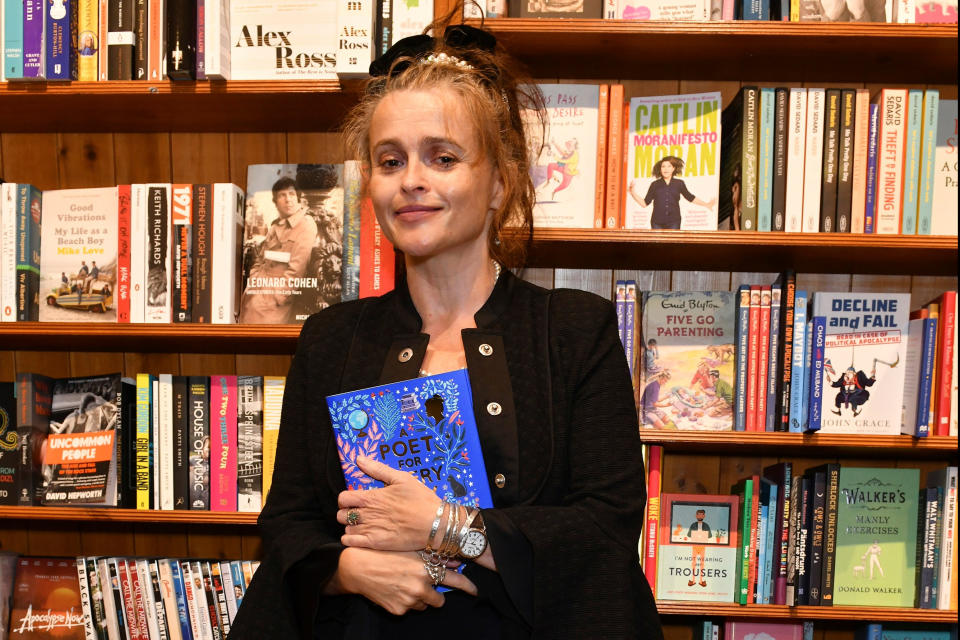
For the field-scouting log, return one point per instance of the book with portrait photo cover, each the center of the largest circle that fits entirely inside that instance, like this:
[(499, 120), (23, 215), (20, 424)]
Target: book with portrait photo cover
[(423, 426)]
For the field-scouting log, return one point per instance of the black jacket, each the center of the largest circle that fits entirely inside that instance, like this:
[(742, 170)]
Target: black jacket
[(566, 521)]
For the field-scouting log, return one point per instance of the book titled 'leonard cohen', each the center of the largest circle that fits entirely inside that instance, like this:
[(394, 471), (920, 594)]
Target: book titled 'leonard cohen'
[(864, 359), (423, 426)]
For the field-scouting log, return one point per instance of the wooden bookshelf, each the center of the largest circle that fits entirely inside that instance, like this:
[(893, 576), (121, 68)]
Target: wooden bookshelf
[(100, 515), (873, 614)]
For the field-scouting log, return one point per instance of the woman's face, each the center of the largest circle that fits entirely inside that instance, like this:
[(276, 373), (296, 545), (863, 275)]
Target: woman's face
[(666, 169), (433, 188)]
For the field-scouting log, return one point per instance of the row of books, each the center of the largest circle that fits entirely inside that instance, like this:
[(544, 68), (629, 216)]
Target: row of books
[(152, 40), (750, 630), (778, 159), (900, 11), (203, 253), (121, 598), (160, 442), (774, 358), (845, 536)]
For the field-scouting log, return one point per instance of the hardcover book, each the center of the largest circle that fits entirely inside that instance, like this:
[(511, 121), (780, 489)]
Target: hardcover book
[(46, 600), (944, 219), (876, 537), (697, 556), (687, 360), (863, 362), (673, 162), (423, 426), (741, 630), (292, 242)]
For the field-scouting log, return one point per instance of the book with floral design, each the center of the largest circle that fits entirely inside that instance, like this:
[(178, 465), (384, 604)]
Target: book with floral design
[(423, 426)]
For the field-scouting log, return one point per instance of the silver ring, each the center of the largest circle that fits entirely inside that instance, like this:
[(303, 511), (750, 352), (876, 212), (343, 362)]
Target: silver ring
[(353, 517)]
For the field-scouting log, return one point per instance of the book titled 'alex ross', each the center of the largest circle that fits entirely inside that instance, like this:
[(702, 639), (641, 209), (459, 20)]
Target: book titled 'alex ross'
[(423, 426)]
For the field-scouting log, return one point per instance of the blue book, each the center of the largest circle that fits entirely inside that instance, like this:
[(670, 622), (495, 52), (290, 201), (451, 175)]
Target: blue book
[(819, 334), (754, 10), (183, 617), (236, 573), (59, 55), (772, 551), (423, 426), (928, 148), (870, 212), (870, 631), (630, 327), (807, 358), (911, 165), (742, 337), (33, 37), (798, 376), (765, 157), (927, 365), (12, 40), (620, 302), (773, 369)]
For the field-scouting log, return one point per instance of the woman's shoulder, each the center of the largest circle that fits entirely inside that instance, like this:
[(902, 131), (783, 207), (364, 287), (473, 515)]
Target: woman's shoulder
[(579, 309), (336, 321)]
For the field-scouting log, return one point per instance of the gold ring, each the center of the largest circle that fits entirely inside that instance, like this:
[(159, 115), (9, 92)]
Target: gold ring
[(353, 517)]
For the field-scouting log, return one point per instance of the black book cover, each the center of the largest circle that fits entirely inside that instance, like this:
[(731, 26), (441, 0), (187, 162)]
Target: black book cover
[(181, 442), (749, 193), (199, 459), (9, 445), (216, 586), (140, 40), (848, 114), (818, 506), (121, 24), (928, 541), (831, 473), (788, 297), (779, 196), (127, 454), (730, 207), (780, 474), (804, 515), (181, 40), (34, 401), (796, 489), (831, 147), (201, 228), (383, 27)]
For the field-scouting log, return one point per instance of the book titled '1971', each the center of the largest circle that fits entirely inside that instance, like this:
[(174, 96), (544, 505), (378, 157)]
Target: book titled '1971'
[(423, 426)]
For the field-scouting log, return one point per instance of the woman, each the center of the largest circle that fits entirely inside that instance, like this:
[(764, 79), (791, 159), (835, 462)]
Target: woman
[(664, 193), (439, 131)]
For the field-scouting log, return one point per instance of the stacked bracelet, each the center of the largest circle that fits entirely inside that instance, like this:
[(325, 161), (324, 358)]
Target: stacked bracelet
[(435, 558)]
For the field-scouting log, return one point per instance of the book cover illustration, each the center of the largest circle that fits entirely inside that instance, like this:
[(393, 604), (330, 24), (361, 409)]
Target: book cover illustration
[(565, 173), (292, 242), (945, 179), (9, 446), (423, 426), (876, 537), (863, 361), (79, 455), (46, 600), (673, 162), (663, 10), (697, 557), (741, 630), (687, 360)]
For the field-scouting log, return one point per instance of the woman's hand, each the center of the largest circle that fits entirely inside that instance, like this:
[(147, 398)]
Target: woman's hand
[(396, 581), (396, 517)]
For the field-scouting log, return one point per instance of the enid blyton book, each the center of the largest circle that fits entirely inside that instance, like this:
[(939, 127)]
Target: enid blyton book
[(687, 360), (863, 363), (697, 556), (423, 426), (673, 162), (46, 600)]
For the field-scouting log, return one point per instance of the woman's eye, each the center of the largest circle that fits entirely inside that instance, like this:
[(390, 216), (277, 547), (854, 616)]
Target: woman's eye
[(389, 163), (446, 159)]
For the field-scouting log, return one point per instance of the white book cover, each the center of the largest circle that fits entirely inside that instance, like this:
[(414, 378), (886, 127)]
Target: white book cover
[(945, 171), (912, 370), (565, 173), (169, 595), (158, 303), (88, 631), (283, 40), (813, 160), (155, 438), (8, 252), (200, 595), (891, 148), (164, 446), (227, 576), (663, 9), (193, 589), (78, 255), (906, 11), (796, 152), (673, 162), (109, 604), (410, 18), (355, 28), (146, 591), (216, 34), (863, 361), (228, 206), (138, 252), (474, 8)]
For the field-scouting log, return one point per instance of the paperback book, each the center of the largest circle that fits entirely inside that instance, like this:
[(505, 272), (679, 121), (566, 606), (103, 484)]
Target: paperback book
[(46, 600)]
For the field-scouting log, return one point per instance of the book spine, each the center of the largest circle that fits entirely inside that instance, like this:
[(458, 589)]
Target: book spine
[(165, 444), (782, 534), (218, 590), (818, 331), (190, 598), (129, 607), (154, 447), (350, 268), (120, 40), (226, 577), (223, 464), (790, 594), (603, 116), (156, 618), (911, 161), (200, 311), (138, 252), (34, 404), (57, 36), (216, 23), (831, 146), (744, 554), (765, 160), (203, 569), (870, 205), (179, 592), (890, 157), (796, 148), (817, 512), (103, 30), (763, 359), (157, 302), (200, 64), (156, 46), (33, 22), (123, 253), (813, 160), (272, 403), (781, 121), (8, 251), (180, 42), (630, 326), (620, 301), (371, 261), (754, 522), (753, 352), (384, 26), (181, 208), (771, 419), (926, 548), (947, 573), (181, 439), (84, 588), (928, 148), (654, 488), (750, 158), (848, 114), (784, 330), (830, 534), (164, 595), (925, 384), (945, 383), (29, 206), (143, 440), (799, 361), (742, 358), (249, 443), (141, 40), (199, 434), (13, 40), (616, 130), (112, 621), (227, 239), (858, 188), (355, 22)]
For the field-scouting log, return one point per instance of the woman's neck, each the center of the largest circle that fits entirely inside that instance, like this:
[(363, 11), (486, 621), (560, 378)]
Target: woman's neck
[(448, 293)]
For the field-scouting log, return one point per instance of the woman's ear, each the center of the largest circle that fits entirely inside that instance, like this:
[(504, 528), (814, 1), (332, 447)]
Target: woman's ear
[(496, 195)]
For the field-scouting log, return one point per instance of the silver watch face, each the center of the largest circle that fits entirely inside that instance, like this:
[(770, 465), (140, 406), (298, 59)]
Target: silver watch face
[(472, 544)]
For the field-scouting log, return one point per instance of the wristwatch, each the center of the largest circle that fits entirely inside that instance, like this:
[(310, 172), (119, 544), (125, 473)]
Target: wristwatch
[(473, 539)]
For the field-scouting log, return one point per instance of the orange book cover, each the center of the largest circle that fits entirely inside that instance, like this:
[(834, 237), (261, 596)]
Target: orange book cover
[(46, 600), (602, 134), (861, 133), (615, 133), (654, 486)]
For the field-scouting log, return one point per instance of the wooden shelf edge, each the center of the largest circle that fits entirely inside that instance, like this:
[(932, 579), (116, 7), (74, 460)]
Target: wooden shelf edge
[(107, 514), (141, 88), (902, 445), (725, 609)]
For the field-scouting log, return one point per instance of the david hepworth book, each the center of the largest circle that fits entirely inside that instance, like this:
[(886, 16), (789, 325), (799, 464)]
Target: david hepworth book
[(292, 242), (673, 162), (863, 361), (423, 426), (697, 556), (687, 355)]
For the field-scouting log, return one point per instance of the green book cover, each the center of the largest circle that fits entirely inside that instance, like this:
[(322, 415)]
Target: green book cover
[(918, 634), (876, 537)]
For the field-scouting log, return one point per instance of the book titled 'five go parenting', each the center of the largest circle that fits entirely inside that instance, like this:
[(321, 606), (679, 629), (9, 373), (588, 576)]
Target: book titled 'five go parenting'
[(423, 426)]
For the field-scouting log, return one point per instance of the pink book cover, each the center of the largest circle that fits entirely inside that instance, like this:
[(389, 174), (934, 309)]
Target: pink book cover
[(763, 356), (740, 630), (223, 443)]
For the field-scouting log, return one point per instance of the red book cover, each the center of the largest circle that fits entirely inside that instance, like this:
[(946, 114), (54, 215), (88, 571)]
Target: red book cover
[(654, 487), (181, 209), (622, 201), (763, 359), (139, 600), (615, 134), (129, 604), (753, 352), (376, 255), (603, 114), (944, 362), (223, 443), (742, 630), (46, 600), (123, 253)]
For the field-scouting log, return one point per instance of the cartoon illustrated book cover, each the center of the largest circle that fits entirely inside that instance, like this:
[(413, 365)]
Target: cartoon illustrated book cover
[(864, 358), (673, 162), (697, 556), (687, 360), (78, 255), (423, 426), (46, 600), (292, 242), (565, 173), (663, 10), (741, 630), (876, 537)]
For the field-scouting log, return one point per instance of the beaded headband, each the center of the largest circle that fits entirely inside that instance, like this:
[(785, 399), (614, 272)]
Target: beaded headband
[(460, 36)]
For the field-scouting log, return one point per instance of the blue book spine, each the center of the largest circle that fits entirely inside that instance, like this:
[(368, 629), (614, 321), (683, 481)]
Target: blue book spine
[(807, 357), (33, 37), (765, 170), (927, 364), (756, 10), (769, 546), (870, 208), (620, 302), (761, 581), (773, 359), (630, 327), (57, 49), (13, 40), (178, 588), (742, 336), (236, 572), (928, 148), (911, 165), (870, 631), (819, 329), (799, 360)]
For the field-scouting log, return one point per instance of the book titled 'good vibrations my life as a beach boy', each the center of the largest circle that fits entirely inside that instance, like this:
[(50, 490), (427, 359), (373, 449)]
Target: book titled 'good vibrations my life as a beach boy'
[(423, 426)]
